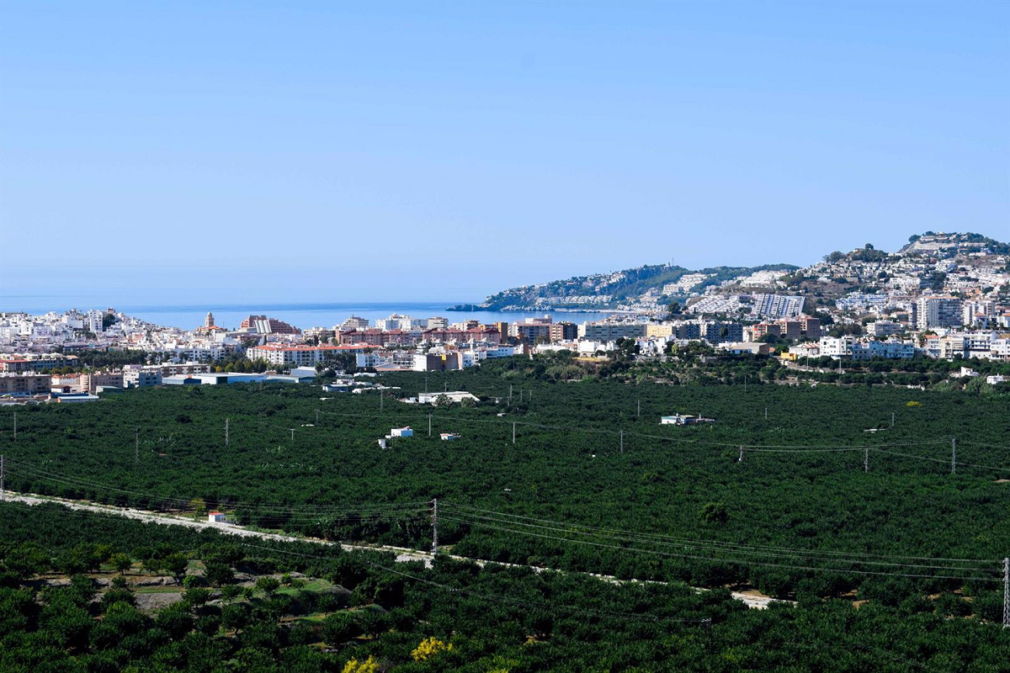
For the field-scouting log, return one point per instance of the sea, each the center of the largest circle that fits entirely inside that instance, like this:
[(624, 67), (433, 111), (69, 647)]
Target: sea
[(308, 315)]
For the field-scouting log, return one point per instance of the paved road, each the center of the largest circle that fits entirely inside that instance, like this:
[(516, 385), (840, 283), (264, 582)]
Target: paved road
[(403, 554)]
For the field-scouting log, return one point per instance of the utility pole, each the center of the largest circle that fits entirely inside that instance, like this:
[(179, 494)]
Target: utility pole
[(892, 419), (136, 446), (434, 526), (621, 433), (292, 434), (953, 455), (766, 413), (226, 431), (429, 425), (866, 460), (520, 396), (740, 459), (513, 432), (638, 414), (1006, 589)]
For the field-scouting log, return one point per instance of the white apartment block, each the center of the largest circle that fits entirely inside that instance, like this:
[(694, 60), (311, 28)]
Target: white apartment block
[(977, 312), (1000, 350), (302, 355), (135, 376), (437, 323), (883, 328), (840, 347), (607, 331), (937, 312), (686, 283), (352, 323), (892, 350), (401, 322)]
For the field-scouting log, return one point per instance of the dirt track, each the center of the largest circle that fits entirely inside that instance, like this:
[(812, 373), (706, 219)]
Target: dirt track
[(751, 598)]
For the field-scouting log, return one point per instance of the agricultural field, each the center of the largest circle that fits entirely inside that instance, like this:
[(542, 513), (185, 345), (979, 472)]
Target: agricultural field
[(76, 594), (838, 501)]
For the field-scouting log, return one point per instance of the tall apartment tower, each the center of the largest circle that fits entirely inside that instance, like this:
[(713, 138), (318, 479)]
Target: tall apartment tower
[(937, 312)]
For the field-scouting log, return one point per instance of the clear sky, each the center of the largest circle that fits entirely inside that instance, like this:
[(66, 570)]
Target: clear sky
[(184, 152)]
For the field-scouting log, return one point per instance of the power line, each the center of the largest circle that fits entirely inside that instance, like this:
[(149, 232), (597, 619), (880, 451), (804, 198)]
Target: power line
[(943, 460), (771, 548), (318, 513), (755, 448), (727, 560), (703, 546)]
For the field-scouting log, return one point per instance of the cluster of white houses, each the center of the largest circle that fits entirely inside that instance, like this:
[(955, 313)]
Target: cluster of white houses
[(980, 345)]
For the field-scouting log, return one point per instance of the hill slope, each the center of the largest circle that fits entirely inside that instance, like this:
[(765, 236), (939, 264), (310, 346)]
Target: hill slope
[(923, 263)]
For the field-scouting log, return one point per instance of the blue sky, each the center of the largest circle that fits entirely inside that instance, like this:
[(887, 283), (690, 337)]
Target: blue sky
[(182, 152)]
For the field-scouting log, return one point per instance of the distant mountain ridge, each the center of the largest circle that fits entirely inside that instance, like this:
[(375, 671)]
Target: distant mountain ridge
[(649, 286)]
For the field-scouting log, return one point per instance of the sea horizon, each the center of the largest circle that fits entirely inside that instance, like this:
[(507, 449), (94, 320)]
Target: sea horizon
[(300, 314)]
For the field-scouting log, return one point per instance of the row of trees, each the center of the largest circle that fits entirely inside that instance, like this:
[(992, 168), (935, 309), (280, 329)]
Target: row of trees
[(355, 612)]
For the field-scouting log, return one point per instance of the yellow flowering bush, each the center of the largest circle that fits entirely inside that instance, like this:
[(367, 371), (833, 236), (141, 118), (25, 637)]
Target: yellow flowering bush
[(370, 665), (428, 648)]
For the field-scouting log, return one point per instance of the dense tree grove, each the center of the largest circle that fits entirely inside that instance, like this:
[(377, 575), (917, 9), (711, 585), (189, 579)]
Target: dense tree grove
[(822, 495), (65, 605)]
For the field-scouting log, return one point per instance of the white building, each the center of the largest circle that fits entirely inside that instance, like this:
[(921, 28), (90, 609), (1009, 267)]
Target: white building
[(455, 397), (437, 323), (883, 328), (401, 432), (836, 347), (684, 419), (400, 322), (975, 313), (937, 312), (301, 355), (1000, 350), (610, 331), (893, 350), (352, 323), (806, 350), (136, 376)]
